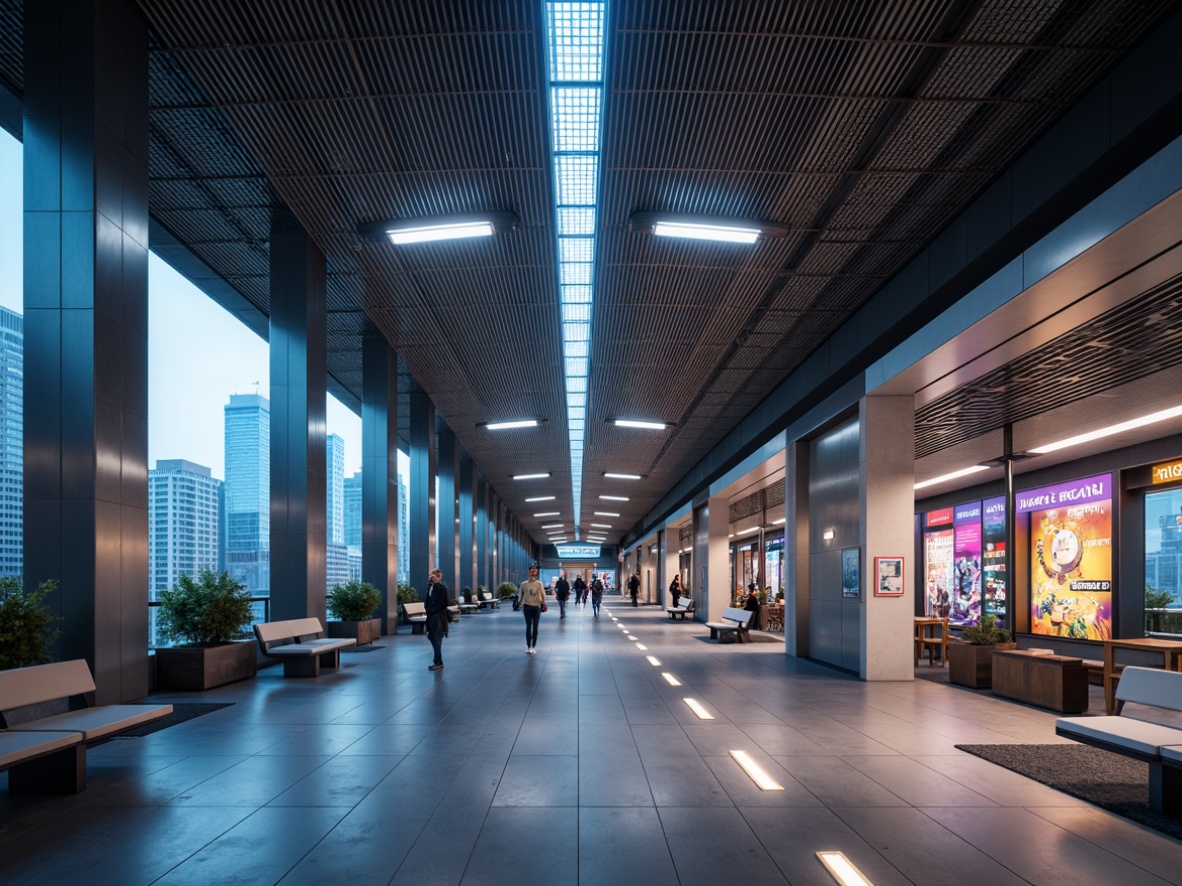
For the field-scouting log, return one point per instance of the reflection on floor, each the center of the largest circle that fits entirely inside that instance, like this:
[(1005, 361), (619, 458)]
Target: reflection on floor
[(581, 764)]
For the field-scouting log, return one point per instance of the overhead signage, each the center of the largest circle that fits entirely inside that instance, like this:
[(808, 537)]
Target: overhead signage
[(1075, 492), (1170, 472), (942, 517), (578, 552)]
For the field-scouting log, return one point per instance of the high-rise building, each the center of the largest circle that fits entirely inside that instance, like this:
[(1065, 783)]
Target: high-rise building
[(403, 533), (353, 510), (336, 555), (183, 530), (12, 372), (248, 492)]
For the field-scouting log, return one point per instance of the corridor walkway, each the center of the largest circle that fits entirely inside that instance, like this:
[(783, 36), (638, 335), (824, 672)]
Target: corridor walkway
[(580, 765)]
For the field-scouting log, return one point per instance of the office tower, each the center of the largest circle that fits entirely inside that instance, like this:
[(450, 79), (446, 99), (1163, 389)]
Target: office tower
[(403, 533), (353, 510), (183, 530), (11, 442), (336, 557), (248, 492)]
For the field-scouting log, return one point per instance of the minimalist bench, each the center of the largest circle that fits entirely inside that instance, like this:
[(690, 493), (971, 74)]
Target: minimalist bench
[(467, 608), (684, 607), (49, 717), (301, 645), (416, 614), (734, 621), (488, 601), (1159, 746)]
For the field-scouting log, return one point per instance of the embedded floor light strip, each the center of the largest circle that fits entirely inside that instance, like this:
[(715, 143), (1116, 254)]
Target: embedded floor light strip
[(697, 708), (753, 769), (1150, 419), (963, 472), (670, 679), (842, 869), (653, 660), (641, 647)]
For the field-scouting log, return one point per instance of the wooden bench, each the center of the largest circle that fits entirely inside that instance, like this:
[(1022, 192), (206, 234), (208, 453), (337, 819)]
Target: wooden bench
[(416, 614), (301, 645), (488, 601), (1159, 746), (684, 607), (734, 621), (49, 717), (1058, 682)]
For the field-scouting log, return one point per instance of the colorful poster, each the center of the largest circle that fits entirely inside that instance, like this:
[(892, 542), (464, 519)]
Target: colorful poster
[(938, 547), (1071, 558), (966, 568), (993, 558)]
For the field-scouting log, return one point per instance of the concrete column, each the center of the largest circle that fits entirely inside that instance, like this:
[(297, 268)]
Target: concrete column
[(887, 480), (299, 371), (712, 577), (379, 473), (796, 550), (423, 469), (669, 559), (447, 509), (86, 331)]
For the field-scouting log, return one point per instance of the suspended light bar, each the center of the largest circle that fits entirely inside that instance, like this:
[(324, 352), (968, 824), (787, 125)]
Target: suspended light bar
[(613, 476), (602, 525), (406, 231), (542, 498), (719, 233), (643, 425), (530, 476), (548, 514), (1150, 419), (697, 227), (508, 425), (555, 526), (964, 472), (613, 498), (605, 514)]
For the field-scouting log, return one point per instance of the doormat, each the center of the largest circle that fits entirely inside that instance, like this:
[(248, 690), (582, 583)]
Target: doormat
[(1110, 781)]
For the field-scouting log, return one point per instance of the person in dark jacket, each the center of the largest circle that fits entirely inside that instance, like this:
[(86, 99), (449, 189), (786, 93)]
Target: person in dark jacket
[(674, 591), (634, 589), (562, 593), (580, 590), (596, 595), (437, 618), (753, 606)]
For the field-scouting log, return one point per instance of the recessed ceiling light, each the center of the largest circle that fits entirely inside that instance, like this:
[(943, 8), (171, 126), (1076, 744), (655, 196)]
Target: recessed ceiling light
[(643, 425), (605, 514), (542, 498), (614, 497), (624, 476), (964, 472), (548, 514), (530, 476), (509, 425)]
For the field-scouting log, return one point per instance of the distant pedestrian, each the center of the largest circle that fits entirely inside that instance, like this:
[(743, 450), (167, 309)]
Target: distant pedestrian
[(753, 606), (580, 590), (674, 592), (596, 595), (533, 603), (437, 616), (562, 593), (634, 589)]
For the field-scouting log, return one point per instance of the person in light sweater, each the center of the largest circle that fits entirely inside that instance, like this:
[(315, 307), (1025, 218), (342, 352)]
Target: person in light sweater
[(532, 595)]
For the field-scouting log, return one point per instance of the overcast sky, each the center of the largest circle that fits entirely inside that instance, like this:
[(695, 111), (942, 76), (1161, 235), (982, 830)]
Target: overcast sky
[(198, 354)]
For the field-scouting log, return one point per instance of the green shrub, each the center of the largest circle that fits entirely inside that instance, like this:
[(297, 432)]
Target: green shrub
[(25, 632), (987, 633), (407, 594), (506, 589), (354, 601), (214, 609)]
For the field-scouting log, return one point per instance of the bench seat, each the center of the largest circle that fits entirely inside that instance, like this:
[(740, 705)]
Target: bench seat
[(95, 723), (301, 645), (416, 614), (684, 607), (43, 762), (488, 601), (734, 621)]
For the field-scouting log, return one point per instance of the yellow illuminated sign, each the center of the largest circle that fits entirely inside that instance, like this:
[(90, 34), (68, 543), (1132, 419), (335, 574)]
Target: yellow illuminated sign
[(1167, 473)]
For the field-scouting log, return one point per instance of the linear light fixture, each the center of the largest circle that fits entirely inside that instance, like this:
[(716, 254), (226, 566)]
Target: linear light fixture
[(542, 498), (605, 514), (842, 869), (963, 472), (614, 476), (639, 423), (613, 498), (1150, 419), (753, 769), (596, 539), (555, 526), (701, 227), (548, 514), (530, 476), (509, 425), (697, 708), (670, 679), (602, 525), (405, 231)]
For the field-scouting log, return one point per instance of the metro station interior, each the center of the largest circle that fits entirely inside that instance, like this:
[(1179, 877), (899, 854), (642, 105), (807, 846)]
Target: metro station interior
[(944, 269)]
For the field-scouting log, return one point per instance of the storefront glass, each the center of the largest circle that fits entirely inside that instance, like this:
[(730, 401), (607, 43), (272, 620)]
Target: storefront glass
[(1163, 559)]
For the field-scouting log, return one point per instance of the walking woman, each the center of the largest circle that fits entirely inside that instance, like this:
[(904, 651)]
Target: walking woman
[(532, 595)]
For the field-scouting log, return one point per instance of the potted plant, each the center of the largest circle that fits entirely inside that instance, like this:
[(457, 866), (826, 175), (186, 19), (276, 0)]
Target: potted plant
[(406, 594), (25, 624), (353, 605), (970, 662), (207, 616)]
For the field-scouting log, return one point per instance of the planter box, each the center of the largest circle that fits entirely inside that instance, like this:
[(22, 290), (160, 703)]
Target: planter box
[(972, 666), (363, 632), (197, 668)]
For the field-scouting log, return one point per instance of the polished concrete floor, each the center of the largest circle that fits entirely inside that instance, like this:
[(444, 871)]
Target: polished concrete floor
[(579, 765)]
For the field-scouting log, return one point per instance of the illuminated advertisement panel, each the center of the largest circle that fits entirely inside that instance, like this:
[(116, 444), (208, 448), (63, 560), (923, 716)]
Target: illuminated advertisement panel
[(993, 558), (937, 556), (1070, 557), (966, 568)]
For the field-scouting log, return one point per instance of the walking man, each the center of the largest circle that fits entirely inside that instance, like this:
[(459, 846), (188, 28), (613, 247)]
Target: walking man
[(596, 594), (562, 593), (437, 617), (634, 589)]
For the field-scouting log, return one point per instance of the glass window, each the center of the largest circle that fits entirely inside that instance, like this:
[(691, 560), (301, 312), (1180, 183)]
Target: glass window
[(1163, 552)]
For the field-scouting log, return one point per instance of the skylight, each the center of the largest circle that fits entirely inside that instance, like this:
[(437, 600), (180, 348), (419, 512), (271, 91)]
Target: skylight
[(574, 38)]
